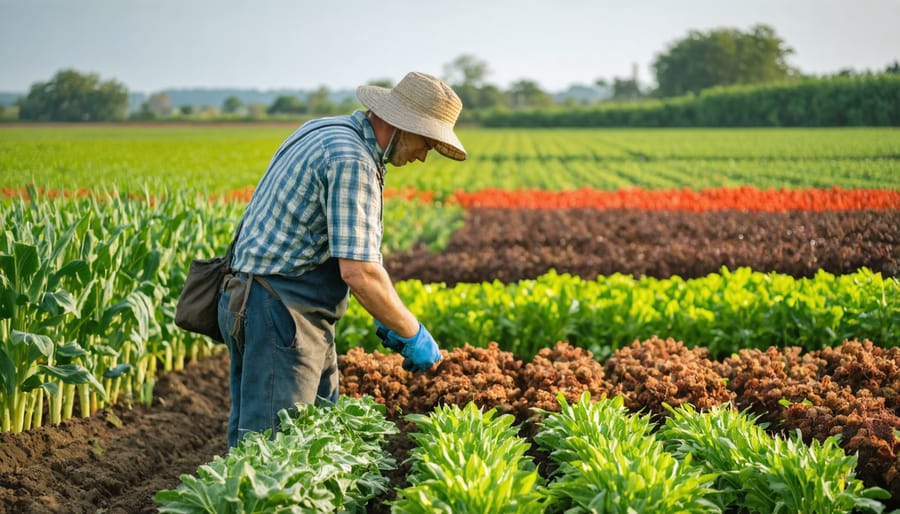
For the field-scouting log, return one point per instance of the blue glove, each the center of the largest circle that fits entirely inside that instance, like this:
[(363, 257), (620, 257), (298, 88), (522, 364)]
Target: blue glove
[(381, 330), (420, 351)]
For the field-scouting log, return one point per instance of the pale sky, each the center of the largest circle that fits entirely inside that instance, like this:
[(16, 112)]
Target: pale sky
[(268, 44)]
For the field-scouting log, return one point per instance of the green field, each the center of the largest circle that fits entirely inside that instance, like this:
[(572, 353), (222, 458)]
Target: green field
[(222, 158)]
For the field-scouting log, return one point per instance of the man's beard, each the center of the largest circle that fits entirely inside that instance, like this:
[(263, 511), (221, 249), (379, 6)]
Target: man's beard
[(403, 147)]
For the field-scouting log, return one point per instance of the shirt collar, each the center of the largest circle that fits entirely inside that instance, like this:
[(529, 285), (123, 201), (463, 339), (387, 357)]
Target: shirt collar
[(359, 117)]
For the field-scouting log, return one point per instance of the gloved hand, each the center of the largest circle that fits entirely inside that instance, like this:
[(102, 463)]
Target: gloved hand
[(381, 330), (420, 350)]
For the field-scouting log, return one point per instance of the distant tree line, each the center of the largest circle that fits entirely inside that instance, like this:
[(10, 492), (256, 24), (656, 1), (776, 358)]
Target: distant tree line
[(867, 100), (73, 96), (690, 75)]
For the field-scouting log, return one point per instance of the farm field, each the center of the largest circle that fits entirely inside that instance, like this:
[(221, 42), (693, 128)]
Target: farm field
[(220, 159), (669, 267)]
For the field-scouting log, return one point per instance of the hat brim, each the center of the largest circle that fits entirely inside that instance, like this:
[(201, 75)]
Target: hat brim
[(386, 106)]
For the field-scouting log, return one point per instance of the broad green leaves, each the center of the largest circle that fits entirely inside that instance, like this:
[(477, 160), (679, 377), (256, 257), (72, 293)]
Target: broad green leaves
[(725, 311), (766, 473), (327, 458), (469, 461), (98, 277)]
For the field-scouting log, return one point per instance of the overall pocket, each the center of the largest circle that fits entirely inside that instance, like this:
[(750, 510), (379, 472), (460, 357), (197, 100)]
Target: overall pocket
[(234, 293)]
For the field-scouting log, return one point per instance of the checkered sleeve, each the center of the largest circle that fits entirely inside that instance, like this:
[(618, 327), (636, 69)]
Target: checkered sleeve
[(353, 209)]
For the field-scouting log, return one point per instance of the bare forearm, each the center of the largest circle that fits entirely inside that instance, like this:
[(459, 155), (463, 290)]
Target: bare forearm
[(372, 287)]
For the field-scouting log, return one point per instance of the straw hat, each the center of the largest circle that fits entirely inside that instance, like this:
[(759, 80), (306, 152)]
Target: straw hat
[(421, 104)]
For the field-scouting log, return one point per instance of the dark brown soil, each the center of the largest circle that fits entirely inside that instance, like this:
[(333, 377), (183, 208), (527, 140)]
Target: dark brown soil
[(118, 459)]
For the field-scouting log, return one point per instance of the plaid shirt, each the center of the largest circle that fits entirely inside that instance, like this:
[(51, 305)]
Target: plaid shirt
[(321, 197)]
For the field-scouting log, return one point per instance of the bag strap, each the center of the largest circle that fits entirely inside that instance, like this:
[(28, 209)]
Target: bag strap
[(229, 254)]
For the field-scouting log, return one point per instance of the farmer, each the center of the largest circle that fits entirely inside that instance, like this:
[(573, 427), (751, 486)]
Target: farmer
[(310, 235)]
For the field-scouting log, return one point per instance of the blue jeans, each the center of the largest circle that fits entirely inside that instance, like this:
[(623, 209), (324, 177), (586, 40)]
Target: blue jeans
[(280, 358)]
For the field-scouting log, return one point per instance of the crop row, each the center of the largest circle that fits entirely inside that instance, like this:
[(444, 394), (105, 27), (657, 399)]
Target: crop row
[(445, 177), (327, 458), (220, 159), (850, 389), (744, 198), (727, 311), (515, 244)]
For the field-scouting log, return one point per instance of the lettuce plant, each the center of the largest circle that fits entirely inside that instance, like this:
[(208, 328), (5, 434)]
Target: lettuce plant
[(322, 459)]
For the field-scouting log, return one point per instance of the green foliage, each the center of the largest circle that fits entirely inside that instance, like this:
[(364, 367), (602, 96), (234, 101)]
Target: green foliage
[(468, 461), (762, 473), (327, 458), (287, 105), (87, 297), (610, 461), (724, 312), (867, 100), (409, 224), (73, 96), (221, 159), (719, 58)]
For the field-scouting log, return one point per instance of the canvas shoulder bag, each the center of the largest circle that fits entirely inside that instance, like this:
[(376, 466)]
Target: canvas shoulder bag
[(197, 309)]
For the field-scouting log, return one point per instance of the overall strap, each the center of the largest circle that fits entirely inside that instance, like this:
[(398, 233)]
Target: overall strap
[(313, 125)]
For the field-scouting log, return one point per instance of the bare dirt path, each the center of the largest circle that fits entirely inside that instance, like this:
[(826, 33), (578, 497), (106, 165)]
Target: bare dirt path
[(118, 459)]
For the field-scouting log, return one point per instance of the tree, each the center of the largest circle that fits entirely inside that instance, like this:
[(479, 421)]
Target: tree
[(467, 94), (893, 67), (466, 70), (489, 96), (466, 76), (72, 96), (625, 89), (232, 104), (287, 105), (721, 57), (527, 93), (319, 102)]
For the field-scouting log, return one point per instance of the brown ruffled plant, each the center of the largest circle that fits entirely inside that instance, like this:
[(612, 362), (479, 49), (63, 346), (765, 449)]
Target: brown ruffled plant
[(656, 371)]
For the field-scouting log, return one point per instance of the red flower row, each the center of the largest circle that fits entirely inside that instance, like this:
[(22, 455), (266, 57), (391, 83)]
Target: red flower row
[(740, 198), (746, 198)]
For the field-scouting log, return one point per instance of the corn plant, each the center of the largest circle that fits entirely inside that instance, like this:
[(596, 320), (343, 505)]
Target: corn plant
[(610, 461), (467, 461), (763, 473), (35, 358), (326, 458), (87, 295)]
